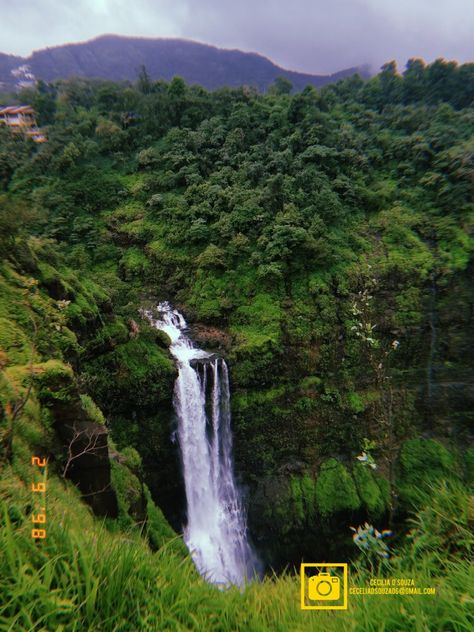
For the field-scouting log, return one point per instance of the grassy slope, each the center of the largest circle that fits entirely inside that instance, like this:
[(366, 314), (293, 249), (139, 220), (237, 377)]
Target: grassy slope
[(82, 577)]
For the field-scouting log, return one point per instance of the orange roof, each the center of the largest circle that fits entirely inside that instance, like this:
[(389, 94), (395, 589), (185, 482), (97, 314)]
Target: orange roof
[(17, 109)]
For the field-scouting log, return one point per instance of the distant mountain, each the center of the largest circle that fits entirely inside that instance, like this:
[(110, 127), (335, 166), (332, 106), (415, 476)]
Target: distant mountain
[(119, 58)]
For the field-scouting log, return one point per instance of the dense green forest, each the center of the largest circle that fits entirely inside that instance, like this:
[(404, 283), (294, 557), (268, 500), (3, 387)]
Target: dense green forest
[(322, 243)]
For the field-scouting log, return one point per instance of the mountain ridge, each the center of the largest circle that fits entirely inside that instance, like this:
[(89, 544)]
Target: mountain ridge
[(118, 58)]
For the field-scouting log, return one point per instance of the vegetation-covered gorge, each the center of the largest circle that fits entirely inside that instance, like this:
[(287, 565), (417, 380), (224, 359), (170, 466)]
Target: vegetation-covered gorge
[(323, 243)]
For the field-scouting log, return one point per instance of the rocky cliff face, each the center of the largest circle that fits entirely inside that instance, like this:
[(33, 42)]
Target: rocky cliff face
[(81, 440), (87, 462)]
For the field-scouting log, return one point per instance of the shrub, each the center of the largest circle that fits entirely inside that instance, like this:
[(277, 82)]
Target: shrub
[(422, 462), (133, 459)]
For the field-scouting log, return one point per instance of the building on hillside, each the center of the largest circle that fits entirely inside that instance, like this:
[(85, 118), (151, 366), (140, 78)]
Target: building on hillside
[(22, 119)]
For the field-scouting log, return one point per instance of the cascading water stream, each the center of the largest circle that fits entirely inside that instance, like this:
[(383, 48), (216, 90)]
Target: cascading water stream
[(216, 531)]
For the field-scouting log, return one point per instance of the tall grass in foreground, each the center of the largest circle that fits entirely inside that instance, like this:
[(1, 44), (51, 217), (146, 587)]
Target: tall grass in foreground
[(82, 577)]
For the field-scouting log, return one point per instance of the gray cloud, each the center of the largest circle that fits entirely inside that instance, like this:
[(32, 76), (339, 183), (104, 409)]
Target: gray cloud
[(306, 35), (28, 25)]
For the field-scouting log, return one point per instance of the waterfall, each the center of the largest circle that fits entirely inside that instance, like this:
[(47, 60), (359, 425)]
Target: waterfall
[(216, 530)]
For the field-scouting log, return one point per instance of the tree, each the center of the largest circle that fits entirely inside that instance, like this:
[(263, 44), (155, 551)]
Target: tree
[(177, 99), (14, 151), (414, 80), (177, 88), (144, 82), (44, 102), (15, 219), (280, 86), (463, 96), (83, 442), (390, 83), (441, 80)]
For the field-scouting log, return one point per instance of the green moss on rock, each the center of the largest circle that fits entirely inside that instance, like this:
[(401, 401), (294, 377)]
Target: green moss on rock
[(297, 498), (303, 496), (369, 491), (55, 381), (129, 495), (14, 342), (335, 489), (48, 274), (162, 339), (158, 529), (137, 367), (356, 403), (92, 410)]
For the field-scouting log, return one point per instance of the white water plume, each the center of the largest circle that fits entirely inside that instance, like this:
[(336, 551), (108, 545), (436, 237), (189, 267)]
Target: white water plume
[(216, 530)]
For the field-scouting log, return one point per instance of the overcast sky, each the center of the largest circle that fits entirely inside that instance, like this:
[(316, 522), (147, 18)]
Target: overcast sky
[(315, 36)]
